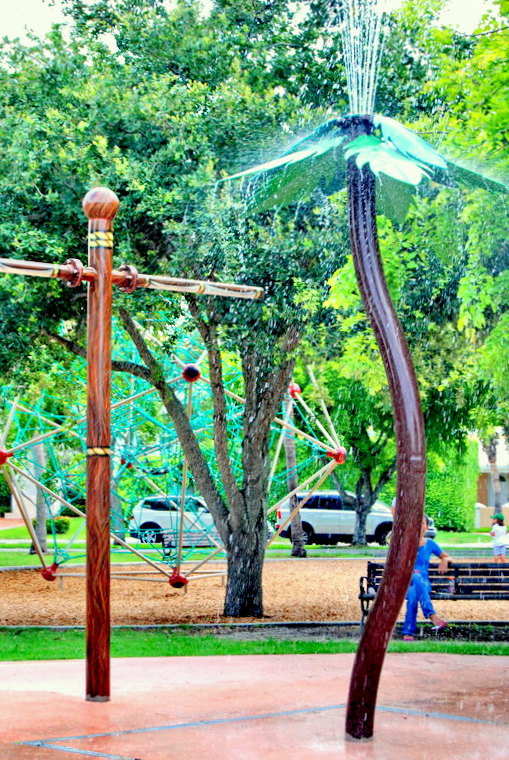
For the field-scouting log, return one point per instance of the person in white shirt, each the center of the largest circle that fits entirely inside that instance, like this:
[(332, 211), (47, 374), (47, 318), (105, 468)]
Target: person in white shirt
[(499, 533)]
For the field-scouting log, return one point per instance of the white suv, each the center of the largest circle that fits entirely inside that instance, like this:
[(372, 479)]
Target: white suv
[(328, 518), (156, 520)]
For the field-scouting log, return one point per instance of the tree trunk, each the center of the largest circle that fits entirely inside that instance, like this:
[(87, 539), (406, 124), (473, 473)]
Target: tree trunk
[(40, 502), (490, 449), (364, 500), (246, 550), (116, 518), (359, 537), (292, 481), (241, 518)]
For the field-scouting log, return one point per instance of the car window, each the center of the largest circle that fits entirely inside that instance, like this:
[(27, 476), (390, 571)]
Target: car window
[(157, 505), (331, 502), (172, 504), (193, 505), (311, 503), (348, 501), (161, 505)]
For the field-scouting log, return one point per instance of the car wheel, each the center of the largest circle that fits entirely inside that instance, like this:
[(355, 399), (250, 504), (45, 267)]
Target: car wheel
[(382, 533), (151, 533), (309, 534)]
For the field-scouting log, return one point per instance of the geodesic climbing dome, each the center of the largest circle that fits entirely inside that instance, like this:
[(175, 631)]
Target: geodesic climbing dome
[(45, 431)]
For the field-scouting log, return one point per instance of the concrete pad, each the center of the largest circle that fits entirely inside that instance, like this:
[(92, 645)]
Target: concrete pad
[(255, 707)]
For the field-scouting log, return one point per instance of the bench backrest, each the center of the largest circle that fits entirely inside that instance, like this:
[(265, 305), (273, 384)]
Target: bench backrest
[(468, 579)]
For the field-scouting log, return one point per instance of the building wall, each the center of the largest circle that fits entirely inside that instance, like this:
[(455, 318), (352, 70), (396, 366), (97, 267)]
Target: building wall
[(483, 514), (485, 492), (28, 491), (482, 488)]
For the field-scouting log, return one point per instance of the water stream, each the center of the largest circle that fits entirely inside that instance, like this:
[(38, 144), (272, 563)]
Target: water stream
[(361, 26)]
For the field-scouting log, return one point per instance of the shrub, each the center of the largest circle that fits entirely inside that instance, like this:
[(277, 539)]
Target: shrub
[(80, 504), (61, 525), (5, 496)]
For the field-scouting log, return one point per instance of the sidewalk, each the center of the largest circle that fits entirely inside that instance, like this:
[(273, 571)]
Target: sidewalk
[(11, 522), (248, 708)]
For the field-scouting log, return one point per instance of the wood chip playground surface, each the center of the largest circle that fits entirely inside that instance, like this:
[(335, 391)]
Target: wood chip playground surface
[(294, 590)]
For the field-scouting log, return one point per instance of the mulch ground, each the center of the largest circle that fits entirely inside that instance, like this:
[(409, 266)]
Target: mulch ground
[(294, 591)]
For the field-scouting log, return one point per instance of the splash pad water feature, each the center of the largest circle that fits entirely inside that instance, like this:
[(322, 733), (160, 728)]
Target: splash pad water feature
[(381, 163)]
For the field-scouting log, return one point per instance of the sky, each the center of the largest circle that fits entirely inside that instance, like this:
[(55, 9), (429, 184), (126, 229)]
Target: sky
[(38, 15)]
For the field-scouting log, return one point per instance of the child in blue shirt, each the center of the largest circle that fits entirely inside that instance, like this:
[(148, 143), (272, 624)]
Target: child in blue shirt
[(420, 587)]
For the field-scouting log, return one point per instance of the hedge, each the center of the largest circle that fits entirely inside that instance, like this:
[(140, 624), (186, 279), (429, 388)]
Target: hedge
[(451, 489)]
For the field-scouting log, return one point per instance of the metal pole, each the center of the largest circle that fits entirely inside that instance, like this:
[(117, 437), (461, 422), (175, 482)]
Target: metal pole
[(411, 449), (100, 206)]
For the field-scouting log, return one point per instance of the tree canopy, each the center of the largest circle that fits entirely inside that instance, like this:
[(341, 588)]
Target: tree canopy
[(159, 104)]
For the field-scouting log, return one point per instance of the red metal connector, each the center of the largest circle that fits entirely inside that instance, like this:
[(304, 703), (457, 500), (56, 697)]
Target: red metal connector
[(339, 455), (191, 373), (177, 580), (294, 389), (50, 573), (4, 456)]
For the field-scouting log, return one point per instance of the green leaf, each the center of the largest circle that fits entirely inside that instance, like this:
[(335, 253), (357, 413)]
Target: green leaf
[(408, 143), (361, 143), (276, 163), (458, 175), (393, 198), (324, 169), (382, 158), (312, 162), (323, 131)]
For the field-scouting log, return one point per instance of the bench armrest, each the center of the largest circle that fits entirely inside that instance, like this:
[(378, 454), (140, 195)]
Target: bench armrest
[(367, 593)]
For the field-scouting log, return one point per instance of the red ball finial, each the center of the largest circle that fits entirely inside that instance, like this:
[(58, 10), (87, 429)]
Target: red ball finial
[(100, 203), (191, 373)]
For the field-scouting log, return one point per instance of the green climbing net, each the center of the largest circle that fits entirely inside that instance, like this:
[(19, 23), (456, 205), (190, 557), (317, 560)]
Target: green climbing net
[(157, 515)]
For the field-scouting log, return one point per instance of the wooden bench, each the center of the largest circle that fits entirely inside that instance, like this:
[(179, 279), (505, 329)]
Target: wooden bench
[(463, 580)]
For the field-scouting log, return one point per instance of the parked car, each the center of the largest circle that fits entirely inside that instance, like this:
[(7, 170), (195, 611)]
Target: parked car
[(157, 517), (328, 518), (155, 520)]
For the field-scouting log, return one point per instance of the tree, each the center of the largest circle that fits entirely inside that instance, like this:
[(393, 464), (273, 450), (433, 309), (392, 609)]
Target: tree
[(41, 514), (158, 132), (422, 276), (319, 159)]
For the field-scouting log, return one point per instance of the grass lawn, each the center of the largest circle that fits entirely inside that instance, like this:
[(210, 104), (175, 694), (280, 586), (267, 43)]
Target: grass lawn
[(480, 536), (18, 538), (10, 558), (46, 644)]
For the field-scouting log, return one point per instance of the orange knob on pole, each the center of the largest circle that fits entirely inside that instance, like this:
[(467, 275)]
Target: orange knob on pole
[(100, 203)]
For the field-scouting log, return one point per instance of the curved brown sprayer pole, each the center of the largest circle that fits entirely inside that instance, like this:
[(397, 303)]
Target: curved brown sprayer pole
[(411, 454), (100, 206)]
